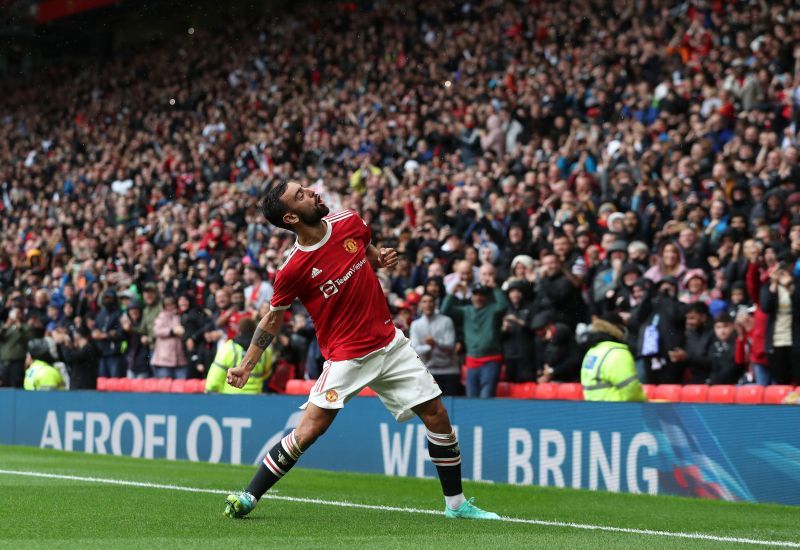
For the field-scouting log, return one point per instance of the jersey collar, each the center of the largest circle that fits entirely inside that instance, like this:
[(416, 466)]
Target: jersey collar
[(321, 242)]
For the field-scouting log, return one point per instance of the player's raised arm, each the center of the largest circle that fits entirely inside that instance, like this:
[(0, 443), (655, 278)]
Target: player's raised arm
[(266, 331)]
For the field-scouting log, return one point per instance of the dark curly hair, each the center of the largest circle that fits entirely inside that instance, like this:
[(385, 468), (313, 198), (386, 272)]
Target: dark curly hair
[(272, 207)]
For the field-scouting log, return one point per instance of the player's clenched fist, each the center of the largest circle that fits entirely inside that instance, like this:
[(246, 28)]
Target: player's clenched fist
[(237, 377), (388, 258)]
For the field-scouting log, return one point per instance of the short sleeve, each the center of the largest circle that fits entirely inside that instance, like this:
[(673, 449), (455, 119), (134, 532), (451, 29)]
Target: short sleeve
[(363, 230), (284, 291)]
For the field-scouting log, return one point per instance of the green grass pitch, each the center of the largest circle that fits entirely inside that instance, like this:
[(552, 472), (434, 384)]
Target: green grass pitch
[(39, 512)]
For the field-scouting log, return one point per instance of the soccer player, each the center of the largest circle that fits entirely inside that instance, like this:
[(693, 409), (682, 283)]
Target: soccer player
[(330, 269)]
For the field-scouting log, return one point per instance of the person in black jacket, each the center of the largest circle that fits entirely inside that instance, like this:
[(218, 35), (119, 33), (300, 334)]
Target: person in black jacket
[(562, 359), (107, 336), (695, 354), (724, 370), (555, 292), (195, 322), (518, 336), (661, 321), (80, 356), (137, 353)]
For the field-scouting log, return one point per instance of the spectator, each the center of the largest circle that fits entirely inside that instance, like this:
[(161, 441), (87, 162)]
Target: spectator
[(169, 359), (608, 372), (661, 319), (433, 337), (670, 264), (482, 336), (555, 291), (561, 358), (518, 335), (152, 307), (780, 300), (137, 354), (257, 292), (107, 336), (724, 367), (195, 323), (80, 355), (695, 356), (14, 337)]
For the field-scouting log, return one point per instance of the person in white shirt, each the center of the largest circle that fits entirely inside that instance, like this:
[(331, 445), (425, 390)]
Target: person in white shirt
[(433, 337)]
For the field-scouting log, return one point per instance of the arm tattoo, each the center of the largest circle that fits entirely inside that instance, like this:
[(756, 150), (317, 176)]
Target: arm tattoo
[(261, 339)]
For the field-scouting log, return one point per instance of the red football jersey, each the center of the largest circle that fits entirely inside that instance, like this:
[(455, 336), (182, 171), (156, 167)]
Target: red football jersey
[(338, 287)]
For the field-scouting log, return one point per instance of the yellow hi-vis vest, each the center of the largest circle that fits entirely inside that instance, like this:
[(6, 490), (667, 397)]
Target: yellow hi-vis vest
[(43, 377), (230, 354), (608, 373)]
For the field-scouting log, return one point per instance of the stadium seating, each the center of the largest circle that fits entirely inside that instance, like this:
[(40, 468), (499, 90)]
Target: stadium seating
[(749, 395), (299, 387), (774, 395), (524, 390), (649, 391), (503, 389), (178, 386), (195, 385), (721, 394), (570, 391), (548, 390), (668, 392), (694, 393)]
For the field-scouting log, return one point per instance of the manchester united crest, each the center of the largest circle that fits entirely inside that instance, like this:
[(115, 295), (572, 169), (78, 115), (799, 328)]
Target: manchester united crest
[(351, 246), (331, 396)]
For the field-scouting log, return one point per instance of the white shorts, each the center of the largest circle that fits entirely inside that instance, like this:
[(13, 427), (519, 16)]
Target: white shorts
[(395, 373)]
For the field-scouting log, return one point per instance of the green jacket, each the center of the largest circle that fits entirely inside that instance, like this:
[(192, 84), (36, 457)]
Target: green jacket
[(14, 341), (608, 373), (149, 314), (42, 377), (230, 355), (482, 327)]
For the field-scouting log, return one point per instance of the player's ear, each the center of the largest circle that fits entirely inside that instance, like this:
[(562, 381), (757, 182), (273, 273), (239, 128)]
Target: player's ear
[(290, 218)]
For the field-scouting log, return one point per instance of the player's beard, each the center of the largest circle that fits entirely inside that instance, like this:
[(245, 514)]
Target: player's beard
[(313, 218)]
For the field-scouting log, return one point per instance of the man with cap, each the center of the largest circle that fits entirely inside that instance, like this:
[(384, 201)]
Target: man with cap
[(608, 372), (482, 336), (41, 375)]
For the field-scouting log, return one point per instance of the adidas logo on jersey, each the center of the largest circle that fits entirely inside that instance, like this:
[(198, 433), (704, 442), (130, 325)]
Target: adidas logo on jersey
[(315, 272)]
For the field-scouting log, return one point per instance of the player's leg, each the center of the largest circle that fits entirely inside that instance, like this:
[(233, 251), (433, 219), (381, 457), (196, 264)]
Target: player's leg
[(281, 458), (406, 388), (445, 453)]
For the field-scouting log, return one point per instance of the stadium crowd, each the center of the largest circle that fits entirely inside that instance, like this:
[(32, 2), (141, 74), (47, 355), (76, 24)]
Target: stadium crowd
[(537, 164)]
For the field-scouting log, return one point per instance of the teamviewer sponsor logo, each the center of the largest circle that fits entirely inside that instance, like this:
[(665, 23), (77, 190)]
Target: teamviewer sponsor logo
[(328, 288)]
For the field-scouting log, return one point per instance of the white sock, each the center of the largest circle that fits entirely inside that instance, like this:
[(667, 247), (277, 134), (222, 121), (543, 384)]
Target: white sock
[(454, 501)]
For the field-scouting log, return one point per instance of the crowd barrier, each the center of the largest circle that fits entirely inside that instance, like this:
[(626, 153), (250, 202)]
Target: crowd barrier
[(719, 451)]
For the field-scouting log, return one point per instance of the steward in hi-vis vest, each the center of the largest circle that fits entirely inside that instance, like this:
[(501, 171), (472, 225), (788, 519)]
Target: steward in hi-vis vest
[(608, 372), (230, 354)]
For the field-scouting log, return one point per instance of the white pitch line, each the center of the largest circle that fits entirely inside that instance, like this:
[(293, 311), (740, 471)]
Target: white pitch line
[(344, 504)]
